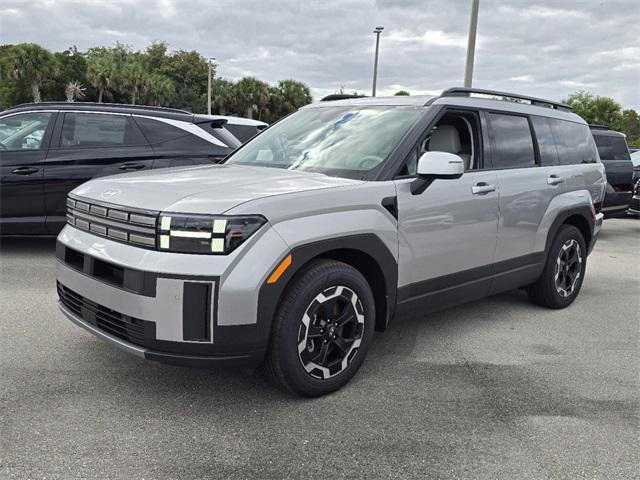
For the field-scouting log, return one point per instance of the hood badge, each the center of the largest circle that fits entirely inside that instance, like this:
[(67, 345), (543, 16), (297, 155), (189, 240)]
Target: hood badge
[(110, 193)]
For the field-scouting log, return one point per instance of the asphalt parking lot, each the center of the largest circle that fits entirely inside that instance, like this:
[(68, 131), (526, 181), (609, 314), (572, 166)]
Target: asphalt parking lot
[(494, 389)]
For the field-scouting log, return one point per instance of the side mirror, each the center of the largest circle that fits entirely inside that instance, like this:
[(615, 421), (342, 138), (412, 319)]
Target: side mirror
[(436, 165)]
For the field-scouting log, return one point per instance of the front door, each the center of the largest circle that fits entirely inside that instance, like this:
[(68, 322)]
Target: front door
[(24, 139), (447, 234), (88, 145)]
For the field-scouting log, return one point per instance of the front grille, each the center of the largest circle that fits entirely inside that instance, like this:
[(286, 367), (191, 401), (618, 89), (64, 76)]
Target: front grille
[(114, 323), (118, 223), (636, 189)]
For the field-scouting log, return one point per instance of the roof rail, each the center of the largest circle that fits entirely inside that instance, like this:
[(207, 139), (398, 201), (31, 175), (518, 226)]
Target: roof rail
[(340, 96), (96, 104), (466, 92)]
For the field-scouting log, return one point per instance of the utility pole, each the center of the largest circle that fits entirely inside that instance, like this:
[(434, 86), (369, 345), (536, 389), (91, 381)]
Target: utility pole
[(471, 45), (211, 60), (377, 31)]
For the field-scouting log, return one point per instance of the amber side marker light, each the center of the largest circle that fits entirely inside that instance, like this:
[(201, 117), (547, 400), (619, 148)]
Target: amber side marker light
[(277, 273)]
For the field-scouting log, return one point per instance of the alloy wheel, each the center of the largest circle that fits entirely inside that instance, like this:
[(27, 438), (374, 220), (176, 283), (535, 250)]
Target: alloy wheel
[(331, 332), (568, 267)]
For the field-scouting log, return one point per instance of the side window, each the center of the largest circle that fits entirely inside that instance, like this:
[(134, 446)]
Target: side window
[(512, 142), (157, 132), (574, 142), (455, 132), (23, 131), (99, 130), (546, 142), (612, 148)]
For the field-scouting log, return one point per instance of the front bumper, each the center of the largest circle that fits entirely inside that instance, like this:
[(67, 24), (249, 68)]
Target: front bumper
[(174, 308)]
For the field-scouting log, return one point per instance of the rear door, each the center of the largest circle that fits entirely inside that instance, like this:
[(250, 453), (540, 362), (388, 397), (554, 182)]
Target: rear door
[(527, 187), (88, 145), (24, 139), (616, 158)]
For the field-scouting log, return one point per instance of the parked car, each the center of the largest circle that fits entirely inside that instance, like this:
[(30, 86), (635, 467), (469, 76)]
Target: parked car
[(242, 128), (329, 224), (634, 206), (614, 154), (47, 149)]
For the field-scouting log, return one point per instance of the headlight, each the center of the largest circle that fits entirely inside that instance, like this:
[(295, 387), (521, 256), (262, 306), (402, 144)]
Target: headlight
[(205, 234)]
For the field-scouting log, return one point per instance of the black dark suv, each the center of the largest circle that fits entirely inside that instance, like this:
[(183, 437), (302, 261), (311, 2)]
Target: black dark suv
[(615, 156), (48, 149)]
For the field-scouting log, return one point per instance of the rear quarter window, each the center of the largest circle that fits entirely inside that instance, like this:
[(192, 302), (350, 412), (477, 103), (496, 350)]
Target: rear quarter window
[(574, 142), (545, 139)]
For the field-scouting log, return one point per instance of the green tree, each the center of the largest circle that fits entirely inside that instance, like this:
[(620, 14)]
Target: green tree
[(100, 69), (594, 109), (287, 97), (630, 125), (133, 77), (188, 70), (160, 90), (401, 93), (30, 64), (252, 96), (222, 96)]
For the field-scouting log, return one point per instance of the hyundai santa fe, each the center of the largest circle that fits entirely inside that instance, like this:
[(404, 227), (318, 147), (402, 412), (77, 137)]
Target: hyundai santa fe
[(328, 225)]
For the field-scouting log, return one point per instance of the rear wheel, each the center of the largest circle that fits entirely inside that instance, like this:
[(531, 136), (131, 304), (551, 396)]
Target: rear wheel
[(323, 329), (564, 270)]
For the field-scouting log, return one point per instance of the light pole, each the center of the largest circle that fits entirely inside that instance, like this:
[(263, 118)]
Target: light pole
[(211, 60), (471, 44), (377, 31)]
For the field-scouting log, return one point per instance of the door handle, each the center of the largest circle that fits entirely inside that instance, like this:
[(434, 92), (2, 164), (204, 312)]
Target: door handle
[(25, 170), (482, 188), (131, 166), (554, 180)]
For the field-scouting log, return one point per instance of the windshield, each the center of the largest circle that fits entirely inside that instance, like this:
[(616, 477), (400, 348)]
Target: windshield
[(337, 141)]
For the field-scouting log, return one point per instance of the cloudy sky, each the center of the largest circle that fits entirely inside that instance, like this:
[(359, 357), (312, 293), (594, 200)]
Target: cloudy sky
[(545, 48)]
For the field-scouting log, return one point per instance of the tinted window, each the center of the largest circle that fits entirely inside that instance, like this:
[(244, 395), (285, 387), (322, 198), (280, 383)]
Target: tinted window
[(546, 142), (99, 130), (157, 131), (512, 143), (23, 131), (612, 148), (574, 142)]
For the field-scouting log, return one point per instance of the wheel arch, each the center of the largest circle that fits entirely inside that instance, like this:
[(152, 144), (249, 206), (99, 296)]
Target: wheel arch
[(580, 217), (366, 253)]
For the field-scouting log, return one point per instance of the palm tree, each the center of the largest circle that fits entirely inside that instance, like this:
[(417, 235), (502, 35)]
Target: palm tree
[(160, 90), (74, 90), (133, 78), (100, 69), (291, 95), (31, 64), (222, 95), (251, 96)]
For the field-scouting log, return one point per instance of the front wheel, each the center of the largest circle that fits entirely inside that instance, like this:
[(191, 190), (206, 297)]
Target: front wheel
[(564, 270), (323, 329)]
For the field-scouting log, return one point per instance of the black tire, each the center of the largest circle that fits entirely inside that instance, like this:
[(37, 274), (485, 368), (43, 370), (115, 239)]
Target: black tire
[(545, 291), (284, 362)]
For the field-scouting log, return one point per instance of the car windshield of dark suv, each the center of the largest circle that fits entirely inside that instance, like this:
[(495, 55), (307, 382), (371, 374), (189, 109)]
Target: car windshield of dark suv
[(341, 141)]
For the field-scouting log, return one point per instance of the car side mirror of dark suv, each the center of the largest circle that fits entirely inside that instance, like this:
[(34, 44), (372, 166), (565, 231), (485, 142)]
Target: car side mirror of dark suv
[(436, 165)]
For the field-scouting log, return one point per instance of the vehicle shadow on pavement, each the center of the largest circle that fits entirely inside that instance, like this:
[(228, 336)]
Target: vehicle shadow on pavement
[(28, 245)]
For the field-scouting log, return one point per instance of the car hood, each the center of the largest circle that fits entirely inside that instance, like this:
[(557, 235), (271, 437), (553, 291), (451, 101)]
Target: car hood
[(202, 189)]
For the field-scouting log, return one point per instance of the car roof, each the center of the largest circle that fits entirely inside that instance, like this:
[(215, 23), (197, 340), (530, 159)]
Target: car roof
[(163, 112), (605, 131), (465, 97)]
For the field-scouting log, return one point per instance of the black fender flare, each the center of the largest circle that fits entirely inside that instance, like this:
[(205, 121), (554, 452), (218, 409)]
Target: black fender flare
[(369, 244), (581, 211)]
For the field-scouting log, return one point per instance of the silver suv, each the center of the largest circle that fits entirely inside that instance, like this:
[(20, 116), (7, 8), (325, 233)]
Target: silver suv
[(328, 225)]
